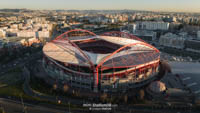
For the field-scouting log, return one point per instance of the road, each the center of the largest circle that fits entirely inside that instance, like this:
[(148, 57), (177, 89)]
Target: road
[(11, 106), (185, 67), (189, 74), (16, 107), (28, 90)]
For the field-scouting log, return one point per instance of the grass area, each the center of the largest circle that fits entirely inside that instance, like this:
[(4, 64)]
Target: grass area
[(16, 91), (12, 83), (12, 87), (11, 77), (17, 69), (11, 90), (1, 110), (39, 85)]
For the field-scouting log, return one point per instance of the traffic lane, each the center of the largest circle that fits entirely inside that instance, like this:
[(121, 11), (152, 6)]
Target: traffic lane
[(16, 107), (191, 81), (185, 67)]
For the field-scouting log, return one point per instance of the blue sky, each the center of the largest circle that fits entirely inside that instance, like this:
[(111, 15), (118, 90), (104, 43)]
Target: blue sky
[(153, 5)]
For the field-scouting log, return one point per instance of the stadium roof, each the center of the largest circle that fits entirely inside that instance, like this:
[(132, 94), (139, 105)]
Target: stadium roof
[(62, 50)]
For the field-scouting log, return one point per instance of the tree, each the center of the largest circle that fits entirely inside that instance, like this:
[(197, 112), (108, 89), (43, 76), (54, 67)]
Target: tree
[(103, 97), (164, 69), (55, 86), (65, 88), (125, 98), (180, 26), (141, 94)]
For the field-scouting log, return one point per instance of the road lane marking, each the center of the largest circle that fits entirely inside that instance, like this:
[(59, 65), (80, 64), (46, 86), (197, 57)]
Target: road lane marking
[(196, 92), (186, 78), (192, 84)]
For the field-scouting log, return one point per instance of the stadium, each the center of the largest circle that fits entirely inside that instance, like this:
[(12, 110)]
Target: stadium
[(110, 62)]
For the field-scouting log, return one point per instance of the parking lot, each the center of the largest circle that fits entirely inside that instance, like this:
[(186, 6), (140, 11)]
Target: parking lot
[(192, 82), (189, 74)]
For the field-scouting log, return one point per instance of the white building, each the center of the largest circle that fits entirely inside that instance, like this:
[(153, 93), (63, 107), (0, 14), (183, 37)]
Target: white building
[(130, 27), (134, 28), (26, 34), (112, 20), (44, 26), (36, 19), (146, 35), (14, 26), (172, 40), (42, 34), (2, 33), (153, 25), (23, 41)]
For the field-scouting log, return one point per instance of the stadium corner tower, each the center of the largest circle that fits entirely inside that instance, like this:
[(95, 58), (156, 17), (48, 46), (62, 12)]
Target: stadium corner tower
[(111, 62)]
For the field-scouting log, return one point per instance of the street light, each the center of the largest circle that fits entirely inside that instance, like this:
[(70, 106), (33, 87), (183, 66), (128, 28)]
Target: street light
[(190, 105), (3, 111), (69, 106), (59, 101), (152, 106), (65, 89), (24, 107)]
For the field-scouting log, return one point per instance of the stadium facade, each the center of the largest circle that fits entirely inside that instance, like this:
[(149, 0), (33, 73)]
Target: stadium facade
[(111, 62)]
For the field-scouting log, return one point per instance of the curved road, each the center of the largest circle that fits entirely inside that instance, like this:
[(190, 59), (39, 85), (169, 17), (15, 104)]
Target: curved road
[(119, 109), (28, 90)]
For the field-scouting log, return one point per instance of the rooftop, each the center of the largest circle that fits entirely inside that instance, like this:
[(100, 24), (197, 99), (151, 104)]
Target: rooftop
[(63, 51)]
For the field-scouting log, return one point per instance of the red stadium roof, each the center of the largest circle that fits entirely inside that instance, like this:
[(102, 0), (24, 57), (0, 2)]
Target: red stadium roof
[(133, 51), (126, 50)]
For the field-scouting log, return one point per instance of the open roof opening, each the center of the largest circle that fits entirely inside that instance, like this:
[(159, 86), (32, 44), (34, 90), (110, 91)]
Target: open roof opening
[(98, 46)]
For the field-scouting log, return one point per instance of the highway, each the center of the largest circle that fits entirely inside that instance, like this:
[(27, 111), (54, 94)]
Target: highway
[(11, 106), (28, 90), (185, 67), (189, 74)]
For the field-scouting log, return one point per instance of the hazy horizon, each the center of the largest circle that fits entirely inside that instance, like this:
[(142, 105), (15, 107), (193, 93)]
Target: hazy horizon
[(150, 5)]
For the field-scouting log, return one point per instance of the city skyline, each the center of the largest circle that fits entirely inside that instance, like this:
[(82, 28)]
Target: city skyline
[(99, 56), (153, 5)]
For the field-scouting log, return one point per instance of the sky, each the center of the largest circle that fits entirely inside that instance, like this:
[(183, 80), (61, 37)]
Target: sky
[(150, 5)]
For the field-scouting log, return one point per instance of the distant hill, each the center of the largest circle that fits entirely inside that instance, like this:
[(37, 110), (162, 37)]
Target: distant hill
[(15, 10)]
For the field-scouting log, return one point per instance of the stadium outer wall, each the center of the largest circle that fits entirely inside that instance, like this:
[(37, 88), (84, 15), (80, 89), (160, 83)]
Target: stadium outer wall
[(135, 76)]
